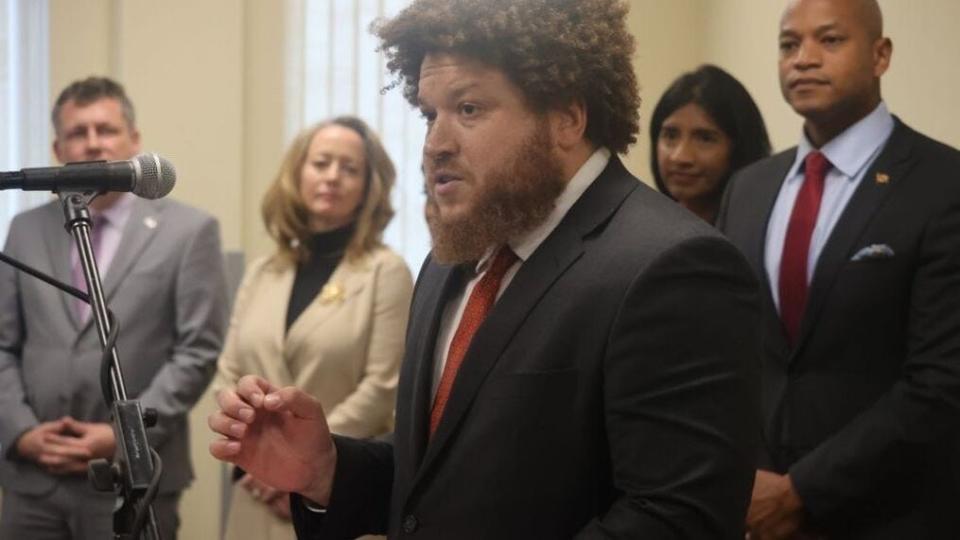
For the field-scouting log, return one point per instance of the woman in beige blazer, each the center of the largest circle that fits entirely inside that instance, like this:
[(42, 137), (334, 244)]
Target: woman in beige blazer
[(327, 312)]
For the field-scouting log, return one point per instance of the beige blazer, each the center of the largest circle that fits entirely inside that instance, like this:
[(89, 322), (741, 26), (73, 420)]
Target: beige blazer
[(344, 349)]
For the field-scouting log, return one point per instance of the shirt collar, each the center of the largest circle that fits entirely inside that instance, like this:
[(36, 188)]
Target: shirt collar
[(118, 212), (850, 151), (525, 244)]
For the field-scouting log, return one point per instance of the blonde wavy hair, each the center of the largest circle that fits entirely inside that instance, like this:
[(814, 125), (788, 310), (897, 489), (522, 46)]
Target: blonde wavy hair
[(285, 215)]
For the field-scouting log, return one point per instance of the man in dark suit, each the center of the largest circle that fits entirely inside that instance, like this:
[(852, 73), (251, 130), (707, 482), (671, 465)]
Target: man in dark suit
[(582, 357), (856, 233), (163, 278)]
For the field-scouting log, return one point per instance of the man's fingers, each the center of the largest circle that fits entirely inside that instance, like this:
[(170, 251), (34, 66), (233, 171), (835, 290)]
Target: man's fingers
[(51, 459), (70, 423), (294, 400), (225, 449), (67, 448), (240, 403), (62, 440), (232, 405), (229, 427), (53, 425), (252, 388)]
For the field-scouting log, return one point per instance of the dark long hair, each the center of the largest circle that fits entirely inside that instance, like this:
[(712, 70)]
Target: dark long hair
[(729, 105)]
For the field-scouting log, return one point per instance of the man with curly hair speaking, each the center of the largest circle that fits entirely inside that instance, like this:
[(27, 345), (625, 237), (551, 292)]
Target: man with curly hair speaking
[(582, 356)]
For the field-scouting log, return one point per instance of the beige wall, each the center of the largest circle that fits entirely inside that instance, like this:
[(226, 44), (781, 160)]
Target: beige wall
[(207, 78), (668, 35), (183, 65)]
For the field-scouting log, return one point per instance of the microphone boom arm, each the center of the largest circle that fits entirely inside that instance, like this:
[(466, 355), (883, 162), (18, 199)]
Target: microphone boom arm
[(136, 466)]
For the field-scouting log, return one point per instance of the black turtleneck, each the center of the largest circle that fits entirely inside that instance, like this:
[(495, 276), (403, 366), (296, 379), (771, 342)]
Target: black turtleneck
[(326, 252)]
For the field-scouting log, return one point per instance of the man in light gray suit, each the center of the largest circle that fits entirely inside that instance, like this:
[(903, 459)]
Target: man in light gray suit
[(163, 278)]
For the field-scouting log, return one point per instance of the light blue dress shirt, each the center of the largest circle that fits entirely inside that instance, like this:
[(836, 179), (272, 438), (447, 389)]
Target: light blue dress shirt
[(851, 153)]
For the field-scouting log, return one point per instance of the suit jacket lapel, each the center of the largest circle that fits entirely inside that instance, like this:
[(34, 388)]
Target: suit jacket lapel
[(534, 278), (141, 226), (59, 247), (278, 278), (893, 161), (773, 177), (144, 220), (421, 344)]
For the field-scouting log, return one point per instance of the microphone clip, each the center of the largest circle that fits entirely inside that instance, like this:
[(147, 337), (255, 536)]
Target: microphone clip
[(76, 207)]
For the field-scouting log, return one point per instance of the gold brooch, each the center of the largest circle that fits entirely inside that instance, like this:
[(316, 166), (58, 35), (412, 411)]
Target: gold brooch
[(331, 292), (883, 178)]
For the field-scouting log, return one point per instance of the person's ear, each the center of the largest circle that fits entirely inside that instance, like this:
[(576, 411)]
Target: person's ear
[(57, 150), (568, 124), (135, 137), (882, 51)]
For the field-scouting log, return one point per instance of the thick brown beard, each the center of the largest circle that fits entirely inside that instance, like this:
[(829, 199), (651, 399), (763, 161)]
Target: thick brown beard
[(511, 200)]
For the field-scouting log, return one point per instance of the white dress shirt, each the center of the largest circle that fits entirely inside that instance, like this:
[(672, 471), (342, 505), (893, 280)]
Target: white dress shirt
[(851, 153)]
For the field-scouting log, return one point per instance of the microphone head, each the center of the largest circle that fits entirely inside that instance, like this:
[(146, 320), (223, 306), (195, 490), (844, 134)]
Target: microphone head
[(155, 176)]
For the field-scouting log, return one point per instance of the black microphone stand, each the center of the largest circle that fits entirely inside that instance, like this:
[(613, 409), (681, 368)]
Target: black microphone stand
[(136, 467)]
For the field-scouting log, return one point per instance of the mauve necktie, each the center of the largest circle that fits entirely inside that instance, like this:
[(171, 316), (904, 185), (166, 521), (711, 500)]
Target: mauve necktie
[(97, 224), (481, 300), (796, 245)]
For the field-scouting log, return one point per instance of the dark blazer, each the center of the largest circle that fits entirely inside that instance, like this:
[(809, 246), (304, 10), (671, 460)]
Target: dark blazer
[(864, 412), (612, 392)]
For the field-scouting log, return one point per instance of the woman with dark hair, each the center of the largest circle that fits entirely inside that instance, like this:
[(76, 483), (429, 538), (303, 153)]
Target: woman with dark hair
[(704, 128), (327, 310)]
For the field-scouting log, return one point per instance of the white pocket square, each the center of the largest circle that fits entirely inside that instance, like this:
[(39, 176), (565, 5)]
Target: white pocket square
[(875, 251)]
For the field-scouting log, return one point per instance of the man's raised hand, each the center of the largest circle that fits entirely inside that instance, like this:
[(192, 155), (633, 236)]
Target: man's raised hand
[(279, 435)]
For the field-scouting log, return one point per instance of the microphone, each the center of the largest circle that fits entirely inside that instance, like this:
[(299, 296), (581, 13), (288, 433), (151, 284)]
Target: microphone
[(147, 175)]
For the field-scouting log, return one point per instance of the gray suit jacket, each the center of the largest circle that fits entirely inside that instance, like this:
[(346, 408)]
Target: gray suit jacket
[(166, 288)]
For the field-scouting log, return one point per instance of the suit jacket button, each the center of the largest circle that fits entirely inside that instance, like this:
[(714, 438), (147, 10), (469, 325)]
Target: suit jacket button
[(410, 524)]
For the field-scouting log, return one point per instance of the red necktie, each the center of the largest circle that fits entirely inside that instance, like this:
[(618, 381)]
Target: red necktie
[(481, 300), (796, 246)]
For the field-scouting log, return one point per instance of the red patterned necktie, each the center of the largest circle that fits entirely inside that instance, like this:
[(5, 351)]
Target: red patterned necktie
[(796, 245), (481, 300), (97, 224)]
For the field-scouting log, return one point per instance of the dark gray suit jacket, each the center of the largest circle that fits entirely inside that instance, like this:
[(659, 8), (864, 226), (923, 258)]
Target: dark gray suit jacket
[(865, 411), (165, 286), (612, 392)]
